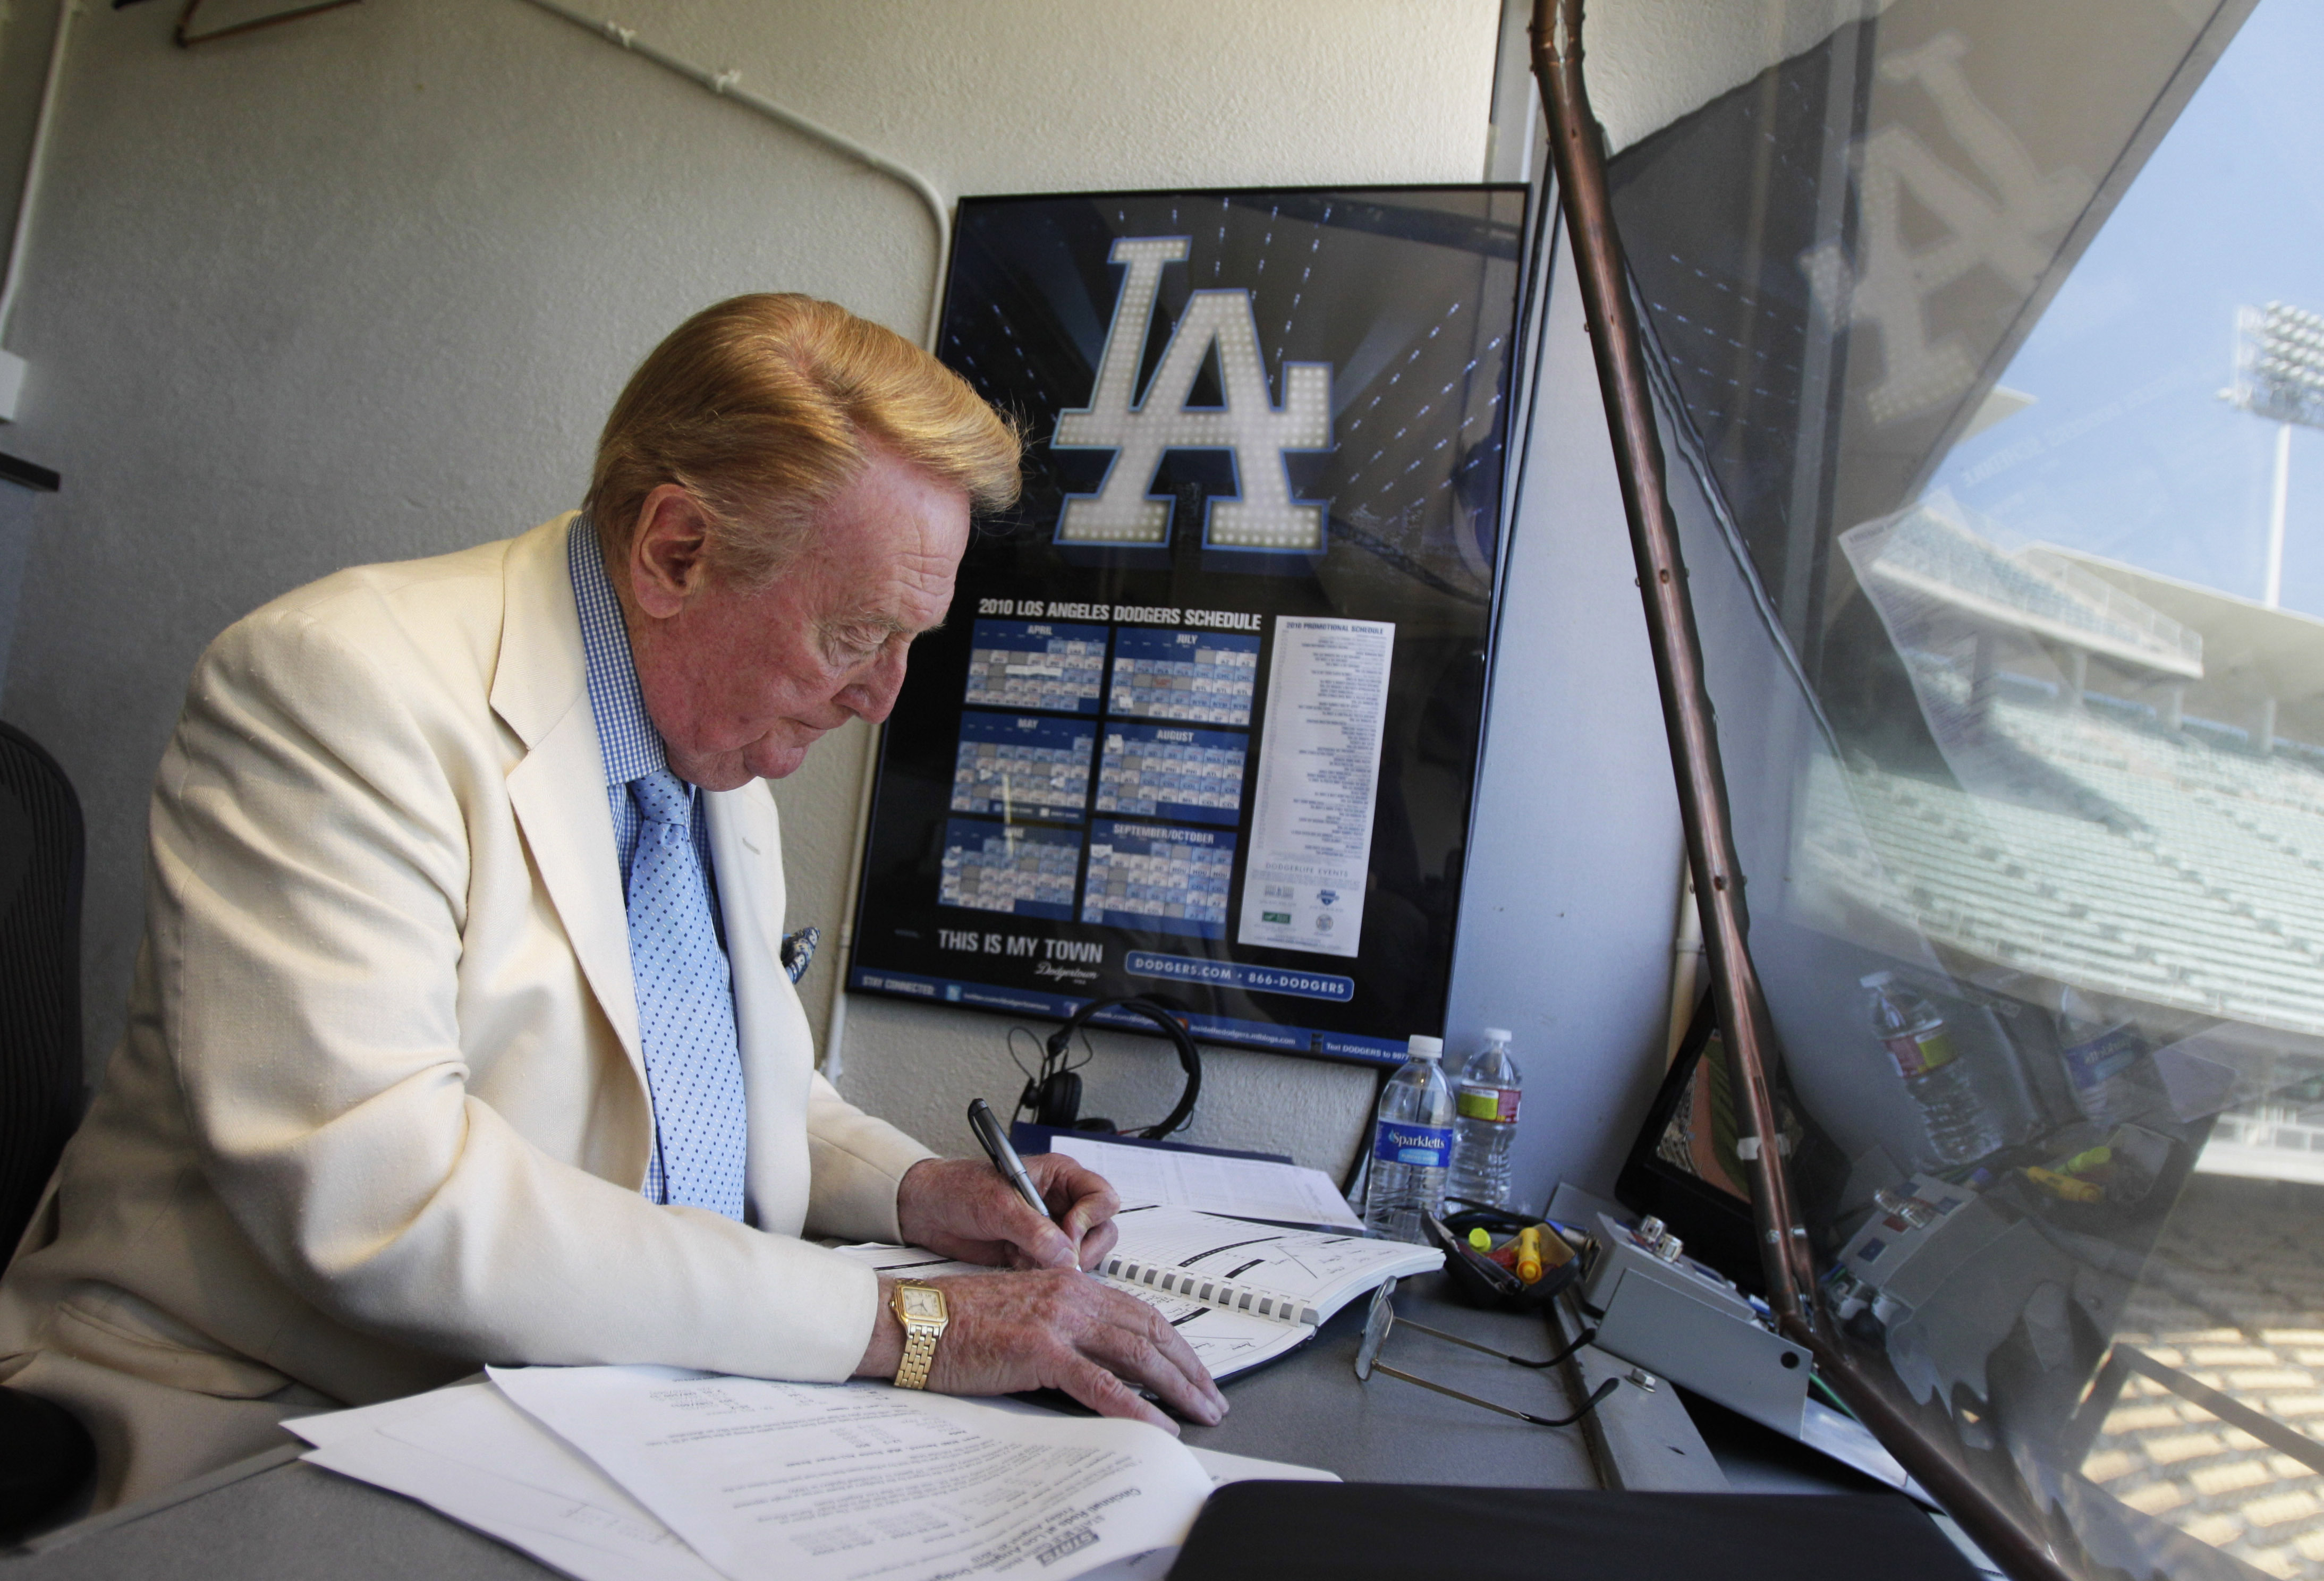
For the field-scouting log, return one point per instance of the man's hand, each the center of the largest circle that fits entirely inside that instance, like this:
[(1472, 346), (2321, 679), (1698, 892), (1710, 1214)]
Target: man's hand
[(1054, 1328), (964, 1209)]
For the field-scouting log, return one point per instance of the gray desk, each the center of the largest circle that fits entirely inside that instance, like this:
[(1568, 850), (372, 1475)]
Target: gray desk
[(1309, 1408), (287, 1522)]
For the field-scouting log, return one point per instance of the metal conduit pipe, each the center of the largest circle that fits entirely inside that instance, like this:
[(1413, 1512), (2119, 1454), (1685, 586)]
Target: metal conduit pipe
[(36, 163), (2010, 1536), (726, 84)]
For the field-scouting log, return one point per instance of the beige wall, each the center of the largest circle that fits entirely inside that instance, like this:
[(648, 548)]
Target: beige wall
[(362, 287)]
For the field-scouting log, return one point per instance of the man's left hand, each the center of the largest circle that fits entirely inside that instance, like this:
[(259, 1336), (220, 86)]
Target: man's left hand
[(964, 1209)]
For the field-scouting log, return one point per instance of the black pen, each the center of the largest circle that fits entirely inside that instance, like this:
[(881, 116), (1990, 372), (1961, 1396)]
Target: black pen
[(995, 1141)]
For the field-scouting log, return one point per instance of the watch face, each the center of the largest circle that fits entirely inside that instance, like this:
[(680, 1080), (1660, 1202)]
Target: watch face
[(922, 1302)]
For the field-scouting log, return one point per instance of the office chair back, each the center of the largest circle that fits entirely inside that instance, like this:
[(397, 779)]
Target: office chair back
[(46, 1456), (40, 858)]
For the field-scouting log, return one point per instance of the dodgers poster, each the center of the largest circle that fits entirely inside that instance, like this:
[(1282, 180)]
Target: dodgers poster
[(1203, 723)]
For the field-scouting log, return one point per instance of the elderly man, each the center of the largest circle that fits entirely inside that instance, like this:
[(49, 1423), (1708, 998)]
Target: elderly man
[(460, 1034)]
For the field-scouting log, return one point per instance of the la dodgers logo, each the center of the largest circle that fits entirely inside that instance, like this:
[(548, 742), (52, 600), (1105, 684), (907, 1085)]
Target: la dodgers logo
[(1263, 515)]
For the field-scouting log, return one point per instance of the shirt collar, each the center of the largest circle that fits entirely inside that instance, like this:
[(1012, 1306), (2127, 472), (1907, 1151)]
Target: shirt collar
[(626, 737)]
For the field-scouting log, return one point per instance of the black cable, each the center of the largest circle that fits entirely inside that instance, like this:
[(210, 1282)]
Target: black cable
[(1031, 1079), (1013, 1060)]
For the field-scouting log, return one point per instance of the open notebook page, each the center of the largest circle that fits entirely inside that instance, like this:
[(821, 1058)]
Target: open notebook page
[(1325, 1271), (1247, 1187)]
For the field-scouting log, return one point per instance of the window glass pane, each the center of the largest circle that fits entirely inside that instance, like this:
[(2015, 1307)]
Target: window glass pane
[(1989, 343)]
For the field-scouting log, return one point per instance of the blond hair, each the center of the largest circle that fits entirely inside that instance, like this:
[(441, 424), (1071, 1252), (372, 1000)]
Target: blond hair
[(763, 407)]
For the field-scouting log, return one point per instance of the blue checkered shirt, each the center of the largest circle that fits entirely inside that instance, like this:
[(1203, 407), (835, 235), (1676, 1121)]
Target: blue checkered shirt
[(626, 737)]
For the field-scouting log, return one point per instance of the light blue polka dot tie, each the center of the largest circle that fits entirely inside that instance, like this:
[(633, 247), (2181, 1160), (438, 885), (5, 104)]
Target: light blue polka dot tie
[(686, 1009)]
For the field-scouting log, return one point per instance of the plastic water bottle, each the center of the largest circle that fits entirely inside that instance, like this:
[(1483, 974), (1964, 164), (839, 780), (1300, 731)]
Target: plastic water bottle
[(1960, 1126), (1485, 1097), (2106, 1062), (1412, 1144)]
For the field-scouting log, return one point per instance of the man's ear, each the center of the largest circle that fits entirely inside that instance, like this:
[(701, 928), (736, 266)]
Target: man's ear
[(668, 558)]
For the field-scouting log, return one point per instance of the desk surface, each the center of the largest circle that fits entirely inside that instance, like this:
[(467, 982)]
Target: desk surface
[(1310, 1410), (292, 1521)]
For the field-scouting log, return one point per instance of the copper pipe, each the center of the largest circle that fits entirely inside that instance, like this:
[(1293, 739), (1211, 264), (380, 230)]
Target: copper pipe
[(1580, 163), (1576, 147), (2011, 1538)]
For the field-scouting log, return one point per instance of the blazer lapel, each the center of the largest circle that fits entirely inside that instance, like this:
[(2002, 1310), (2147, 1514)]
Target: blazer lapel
[(743, 845), (777, 1061), (557, 792)]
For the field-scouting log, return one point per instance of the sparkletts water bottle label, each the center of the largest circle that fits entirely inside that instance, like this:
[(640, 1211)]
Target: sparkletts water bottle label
[(2095, 1060), (1401, 1142), (1917, 1053), (1491, 1103)]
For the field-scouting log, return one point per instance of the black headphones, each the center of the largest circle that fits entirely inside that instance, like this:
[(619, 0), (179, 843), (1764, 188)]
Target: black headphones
[(1054, 1096)]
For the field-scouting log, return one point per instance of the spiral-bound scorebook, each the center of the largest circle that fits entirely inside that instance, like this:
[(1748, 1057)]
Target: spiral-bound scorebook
[(1241, 1293)]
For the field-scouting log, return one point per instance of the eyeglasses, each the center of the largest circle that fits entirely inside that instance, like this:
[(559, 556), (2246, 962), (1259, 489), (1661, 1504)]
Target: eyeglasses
[(1382, 1317)]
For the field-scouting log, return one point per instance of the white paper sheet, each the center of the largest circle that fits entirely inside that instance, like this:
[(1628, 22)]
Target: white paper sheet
[(1247, 1187), (1318, 780), (1851, 1443), (909, 1261), (1224, 1468), (469, 1454), (556, 1532), (807, 1481), (479, 1429), (1217, 1464), (332, 1427)]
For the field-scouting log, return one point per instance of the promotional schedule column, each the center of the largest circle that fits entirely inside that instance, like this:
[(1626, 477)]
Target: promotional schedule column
[(1318, 781)]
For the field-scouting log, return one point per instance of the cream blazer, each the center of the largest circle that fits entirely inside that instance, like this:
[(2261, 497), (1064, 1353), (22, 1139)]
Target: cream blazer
[(380, 1113)]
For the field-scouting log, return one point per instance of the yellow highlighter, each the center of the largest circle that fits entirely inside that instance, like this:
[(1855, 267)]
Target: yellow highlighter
[(1530, 1253), (2065, 1186)]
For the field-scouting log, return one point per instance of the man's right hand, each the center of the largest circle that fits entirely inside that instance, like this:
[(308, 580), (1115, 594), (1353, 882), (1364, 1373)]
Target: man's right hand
[(1051, 1328)]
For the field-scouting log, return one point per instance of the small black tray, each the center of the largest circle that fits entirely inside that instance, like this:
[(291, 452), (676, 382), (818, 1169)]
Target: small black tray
[(1481, 1290)]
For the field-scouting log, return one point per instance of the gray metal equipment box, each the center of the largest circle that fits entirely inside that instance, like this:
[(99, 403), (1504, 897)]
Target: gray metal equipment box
[(1681, 1319)]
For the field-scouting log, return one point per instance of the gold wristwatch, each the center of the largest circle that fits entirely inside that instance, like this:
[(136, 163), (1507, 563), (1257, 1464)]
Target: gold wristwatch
[(920, 1309)]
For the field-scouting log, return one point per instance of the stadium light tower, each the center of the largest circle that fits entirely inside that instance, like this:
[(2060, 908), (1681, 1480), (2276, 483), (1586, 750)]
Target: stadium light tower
[(2280, 376)]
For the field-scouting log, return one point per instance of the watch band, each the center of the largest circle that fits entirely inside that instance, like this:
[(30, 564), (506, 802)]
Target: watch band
[(921, 1333), (919, 1354)]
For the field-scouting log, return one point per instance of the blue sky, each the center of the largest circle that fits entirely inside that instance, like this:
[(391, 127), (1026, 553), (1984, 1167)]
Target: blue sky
[(2128, 451)]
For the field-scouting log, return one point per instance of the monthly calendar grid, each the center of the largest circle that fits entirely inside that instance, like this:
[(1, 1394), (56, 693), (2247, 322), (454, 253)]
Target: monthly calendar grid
[(1143, 754)]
